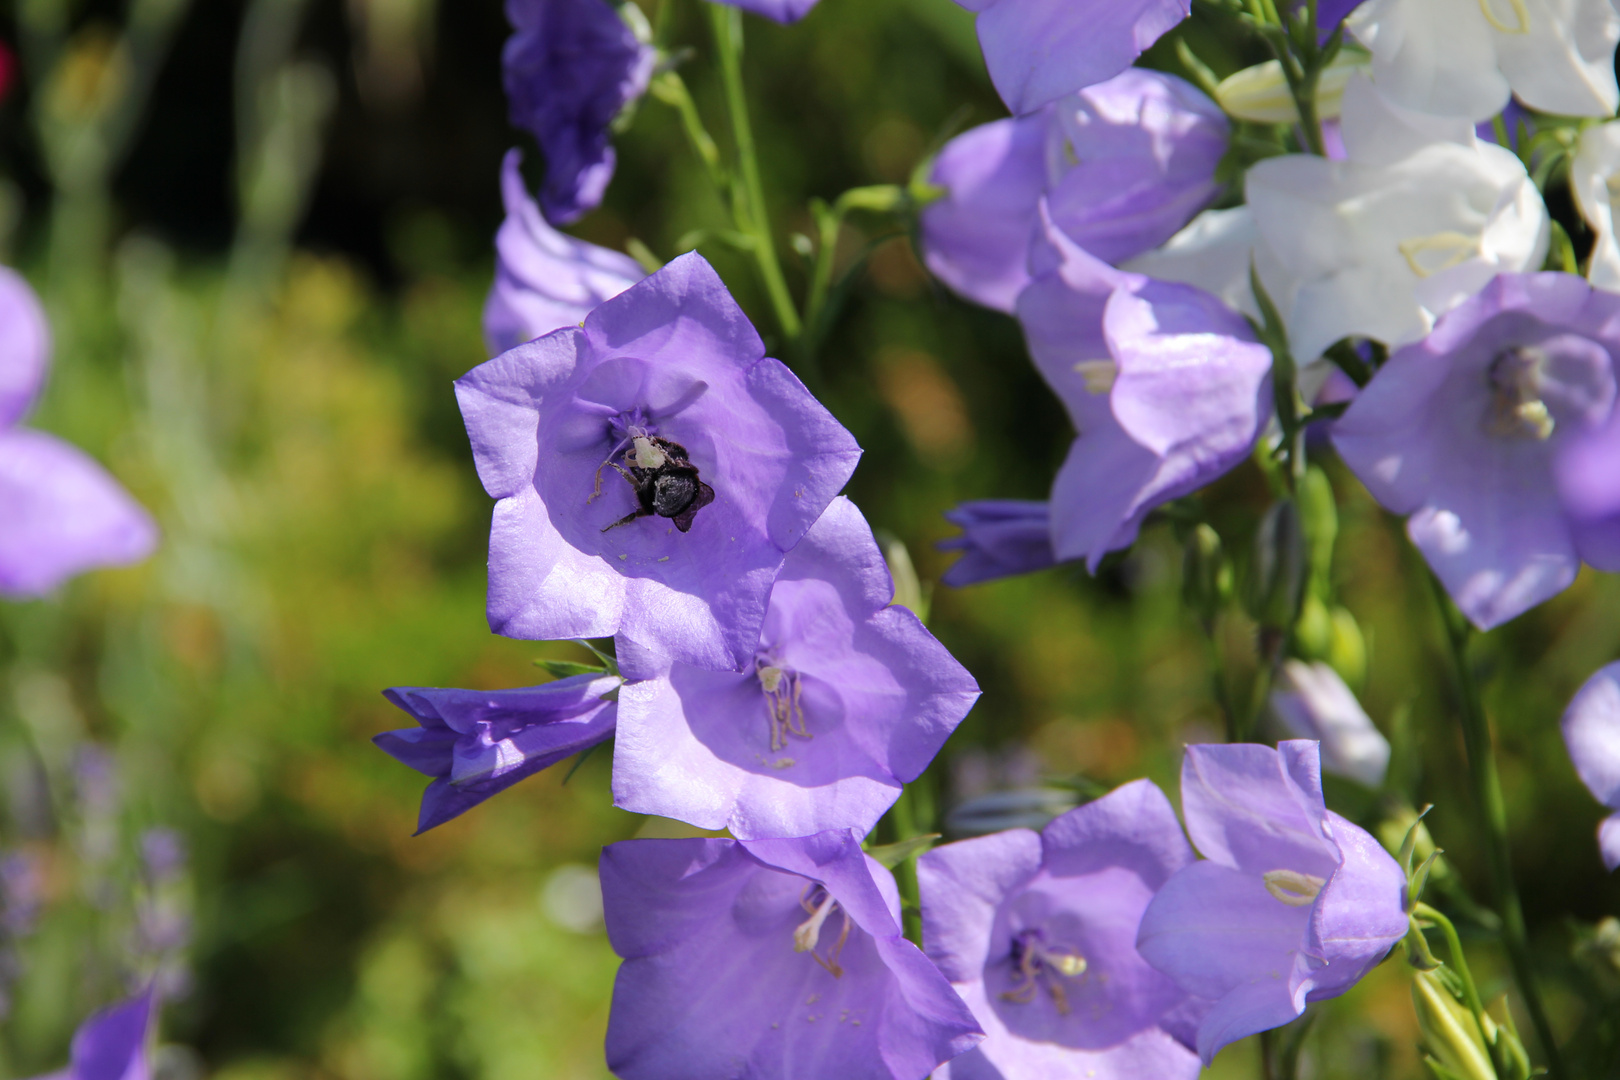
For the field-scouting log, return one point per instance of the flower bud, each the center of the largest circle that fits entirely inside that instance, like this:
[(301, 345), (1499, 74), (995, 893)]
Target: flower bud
[(1206, 580), (1278, 574), (1261, 93), (1450, 1035), (1319, 515), (1313, 633), (1347, 649)]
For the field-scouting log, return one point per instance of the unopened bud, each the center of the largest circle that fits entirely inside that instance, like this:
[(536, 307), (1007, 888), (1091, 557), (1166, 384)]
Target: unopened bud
[(1319, 514), (1261, 93), (1313, 633), (1450, 1035), (1279, 567), (1347, 649), (1206, 581)]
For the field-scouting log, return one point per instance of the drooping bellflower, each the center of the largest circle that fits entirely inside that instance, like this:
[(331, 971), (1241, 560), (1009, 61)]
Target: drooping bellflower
[(769, 959), (1418, 218), (474, 743), (1123, 165), (653, 468), (112, 1044), (1037, 931), (1291, 903), (1165, 385), (1592, 733), (570, 67), (1465, 57), (1041, 50), (1000, 538), (60, 512), (1312, 702), (544, 279), (1462, 432), (848, 697)]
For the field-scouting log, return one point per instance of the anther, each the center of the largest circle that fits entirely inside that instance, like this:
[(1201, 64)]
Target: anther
[(1292, 887), (1517, 410), (807, 935)]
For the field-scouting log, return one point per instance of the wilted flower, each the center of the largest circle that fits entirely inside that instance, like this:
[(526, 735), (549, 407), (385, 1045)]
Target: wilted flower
[(606, 443), (1164, 383), (1418, 218), (1292, 903), (569, 68), (1465, 57), (475, 743), (63, 513), (1000, 538), (112, 1044), (1594, 177), (770, 959), (1313, 703), (1041, 50), (848, 698), (1592, 733), (1123, 164), (544, 279), (1038, 933), (1462, 430)]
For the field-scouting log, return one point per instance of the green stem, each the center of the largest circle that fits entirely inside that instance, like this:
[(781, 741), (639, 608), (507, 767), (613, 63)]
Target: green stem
[(1492, 809), (671, 89), (749, 205), (904, 820)]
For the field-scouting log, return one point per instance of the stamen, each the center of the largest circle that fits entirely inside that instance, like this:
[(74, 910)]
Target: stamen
[(1040, 964), (1292, 887), (1520, 12), (1454, 249), (1517, 410), (782, 702), (807, 935), (1099, 375)]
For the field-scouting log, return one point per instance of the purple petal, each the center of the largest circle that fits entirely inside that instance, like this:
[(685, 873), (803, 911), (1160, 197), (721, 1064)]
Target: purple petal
[(962, 885), (111, 1044), (976, 239), (877, 693), (477, 743), (1590, 492), (1609, 841), (1000, 538), (1041, 50), (1256, 809), (1313, 702), (1360, 913), (569, 68), (64, 515), (25, 346), (1132, 826), (783, 11), (544, 279), (1592, 733)]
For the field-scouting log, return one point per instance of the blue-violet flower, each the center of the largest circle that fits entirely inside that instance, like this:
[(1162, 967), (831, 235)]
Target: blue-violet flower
[(1592, 733), (1000, 538)]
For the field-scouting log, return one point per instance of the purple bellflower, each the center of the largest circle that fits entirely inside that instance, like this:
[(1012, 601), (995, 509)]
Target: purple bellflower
[(1291, 904), (783, 11), (112, 1044), (544, 279), (1592, 733), (1124, 165), (1038, 933), (1462, 430), (1165, 384), (848, 698), (474, 743), (60, 512), (769, 960), (1041, 50), (653, 468), (1000, 538), (570, 67), (1313, 702), (1588, 473)]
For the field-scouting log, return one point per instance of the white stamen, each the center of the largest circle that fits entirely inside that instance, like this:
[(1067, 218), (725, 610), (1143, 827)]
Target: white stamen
[(1292, 887), (1521, 15), (808, 933), (1449, 248), (1099, 375)]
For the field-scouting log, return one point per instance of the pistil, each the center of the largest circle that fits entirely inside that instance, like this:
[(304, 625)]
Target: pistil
[(807, 935), (1292, 887), (1040, 964), (782, 689)]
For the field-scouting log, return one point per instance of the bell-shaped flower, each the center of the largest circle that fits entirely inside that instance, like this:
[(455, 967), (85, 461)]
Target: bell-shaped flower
[(1041, 50), (1418, 218), (1000, 538), (1592, 733), (474, 743), (1123, 165), (1462, 432), (1594, 177), (570, 67), (1465, 57), (62, 513), (113, 1043), (769, 959), (1588, 480), (1037, 931), (544, 279), (848, 698), (653, 468), (1312, 702), (1165, 384), (1291, 903)]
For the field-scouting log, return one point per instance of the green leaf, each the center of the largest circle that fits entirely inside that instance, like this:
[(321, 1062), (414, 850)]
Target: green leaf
[(892, 855), (562, 669)]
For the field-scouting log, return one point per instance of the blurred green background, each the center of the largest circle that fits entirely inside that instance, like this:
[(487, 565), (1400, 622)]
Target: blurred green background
[(263, 232)]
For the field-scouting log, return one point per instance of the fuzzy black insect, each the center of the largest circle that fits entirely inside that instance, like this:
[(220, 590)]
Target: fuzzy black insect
[(665, 481)]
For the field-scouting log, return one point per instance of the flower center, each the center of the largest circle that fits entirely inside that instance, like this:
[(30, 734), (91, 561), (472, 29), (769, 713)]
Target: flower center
[(820, 905), (1098, 375), (1292, 887), (1521, 16), (782, 690), (1040, 964), (1517, 411), (633, 431)]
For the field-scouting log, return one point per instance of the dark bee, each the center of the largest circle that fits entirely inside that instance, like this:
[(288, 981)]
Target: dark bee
[(665, 482)]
